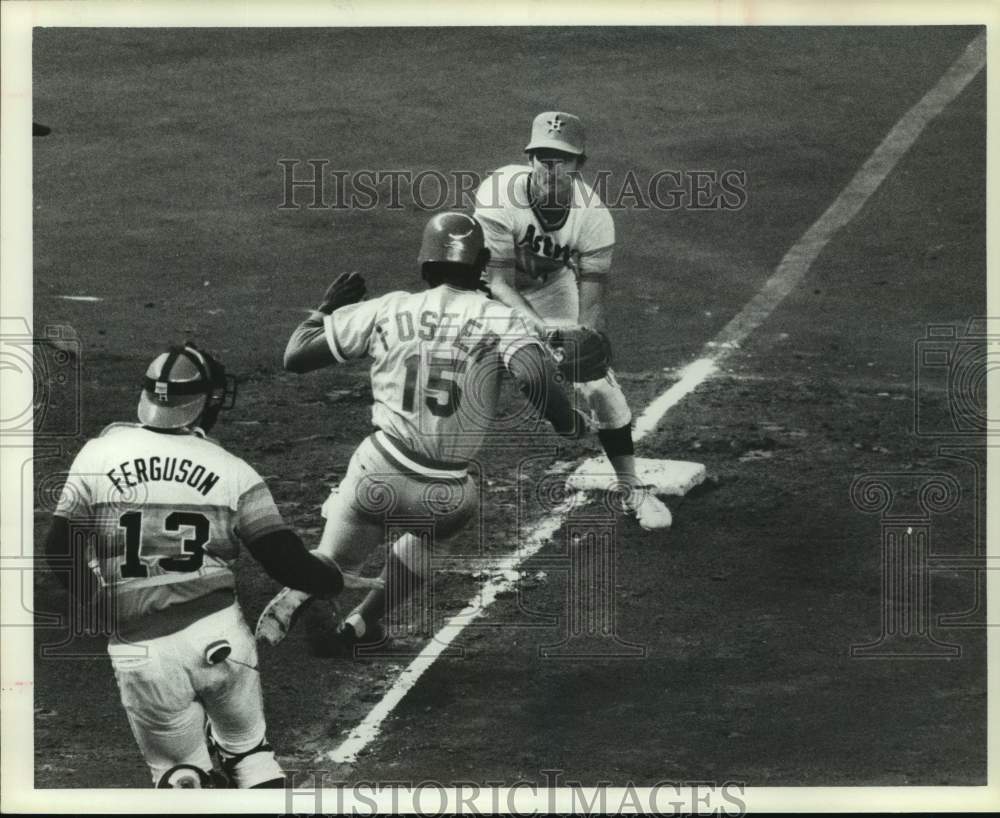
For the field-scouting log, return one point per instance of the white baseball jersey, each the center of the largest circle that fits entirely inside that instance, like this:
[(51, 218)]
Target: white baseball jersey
[(164, 514), (577, 247), (438, 357)]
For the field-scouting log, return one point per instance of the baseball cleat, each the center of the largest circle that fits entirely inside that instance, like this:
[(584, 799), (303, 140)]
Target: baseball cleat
[(340, 642), (279, 616), (347, 637), (650, 511)]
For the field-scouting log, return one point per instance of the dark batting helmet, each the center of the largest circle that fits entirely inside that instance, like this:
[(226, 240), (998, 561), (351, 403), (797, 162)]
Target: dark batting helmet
[(453, 251), (453, 237), (183, 385)]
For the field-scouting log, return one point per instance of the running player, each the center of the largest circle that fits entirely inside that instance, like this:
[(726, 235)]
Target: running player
[(437, 360)]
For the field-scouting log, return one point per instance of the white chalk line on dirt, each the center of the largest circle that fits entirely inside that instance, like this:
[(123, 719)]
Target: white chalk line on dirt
[(789, 273)]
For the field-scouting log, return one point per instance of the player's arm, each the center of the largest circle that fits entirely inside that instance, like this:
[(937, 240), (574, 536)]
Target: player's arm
[(65, 550), (58, 549), (276, 547), (285, 558), (66, 560), (281, 552), (504, 291), (535, 374), (499, 236), (594, 267), (592, 292), (308, 348)]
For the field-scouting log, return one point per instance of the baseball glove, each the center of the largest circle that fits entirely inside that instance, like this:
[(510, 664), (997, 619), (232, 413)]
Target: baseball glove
[(582, 354)]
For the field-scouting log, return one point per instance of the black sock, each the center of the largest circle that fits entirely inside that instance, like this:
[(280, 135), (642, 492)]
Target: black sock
[(617, 442)]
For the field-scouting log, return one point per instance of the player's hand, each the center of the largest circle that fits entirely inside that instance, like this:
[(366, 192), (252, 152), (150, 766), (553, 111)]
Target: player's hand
[(349, 288)]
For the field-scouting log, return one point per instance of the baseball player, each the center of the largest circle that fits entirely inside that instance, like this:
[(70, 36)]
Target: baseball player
[(551, 240), (149, 522), (438, 356)]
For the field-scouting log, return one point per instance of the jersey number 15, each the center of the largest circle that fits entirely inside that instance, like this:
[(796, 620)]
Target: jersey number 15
[(442, 380)]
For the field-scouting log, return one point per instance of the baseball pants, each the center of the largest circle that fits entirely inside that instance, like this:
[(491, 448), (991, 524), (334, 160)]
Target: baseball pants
[(168, 689)]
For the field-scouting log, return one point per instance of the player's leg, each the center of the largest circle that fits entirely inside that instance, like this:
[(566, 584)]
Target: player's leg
[(408, 563), (404, 575), (614, 421), (228, 683), (352, 530), (166, 719)]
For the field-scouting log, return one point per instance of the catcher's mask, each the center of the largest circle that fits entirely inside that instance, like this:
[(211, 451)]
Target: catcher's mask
[(453, 250), (183, 385)]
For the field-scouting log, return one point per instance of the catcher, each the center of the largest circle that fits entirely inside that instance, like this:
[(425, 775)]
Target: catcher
[(150, 520), (546, 231)]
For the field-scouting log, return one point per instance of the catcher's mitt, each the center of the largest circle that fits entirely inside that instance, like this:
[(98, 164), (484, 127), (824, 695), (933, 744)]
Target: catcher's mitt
[(582, 354)]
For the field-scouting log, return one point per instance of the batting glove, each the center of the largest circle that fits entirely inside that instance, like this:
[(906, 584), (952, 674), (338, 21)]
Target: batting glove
[(349, 288)]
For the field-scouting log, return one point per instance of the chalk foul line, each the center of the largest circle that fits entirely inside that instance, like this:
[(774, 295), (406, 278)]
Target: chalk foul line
[(788, 274)]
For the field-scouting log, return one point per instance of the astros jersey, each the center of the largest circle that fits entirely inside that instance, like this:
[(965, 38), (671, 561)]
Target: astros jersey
[(163, 515), (438, 357), (580, 245)]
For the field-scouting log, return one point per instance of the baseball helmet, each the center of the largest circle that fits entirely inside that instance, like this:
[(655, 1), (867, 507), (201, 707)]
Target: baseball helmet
[(182, 385), (558, 131), (453, 237)]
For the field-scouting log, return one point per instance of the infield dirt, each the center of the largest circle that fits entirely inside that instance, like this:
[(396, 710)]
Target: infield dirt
[(159, 191)]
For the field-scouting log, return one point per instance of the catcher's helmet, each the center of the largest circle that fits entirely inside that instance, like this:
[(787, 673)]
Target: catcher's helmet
[(186, 777), (182, 385), (453, 237)]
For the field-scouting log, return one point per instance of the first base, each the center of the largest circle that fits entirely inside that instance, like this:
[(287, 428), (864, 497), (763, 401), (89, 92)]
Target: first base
[(676, 477)]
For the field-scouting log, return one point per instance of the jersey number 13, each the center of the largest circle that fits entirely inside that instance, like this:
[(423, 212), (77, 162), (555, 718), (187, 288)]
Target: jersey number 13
[(192, 551)]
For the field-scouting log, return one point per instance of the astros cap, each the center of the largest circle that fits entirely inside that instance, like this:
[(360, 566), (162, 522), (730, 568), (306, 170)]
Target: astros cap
[(557, 130)]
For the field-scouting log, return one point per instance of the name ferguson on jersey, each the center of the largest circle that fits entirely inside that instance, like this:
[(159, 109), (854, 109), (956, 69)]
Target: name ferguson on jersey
[(142, 469)]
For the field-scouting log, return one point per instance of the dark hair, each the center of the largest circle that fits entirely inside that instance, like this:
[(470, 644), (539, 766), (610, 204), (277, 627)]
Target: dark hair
[(581, 158), (463, 276)]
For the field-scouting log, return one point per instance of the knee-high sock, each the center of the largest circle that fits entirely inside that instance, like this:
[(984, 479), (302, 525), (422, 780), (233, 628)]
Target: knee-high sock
[(404, 574), (620, 449)]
